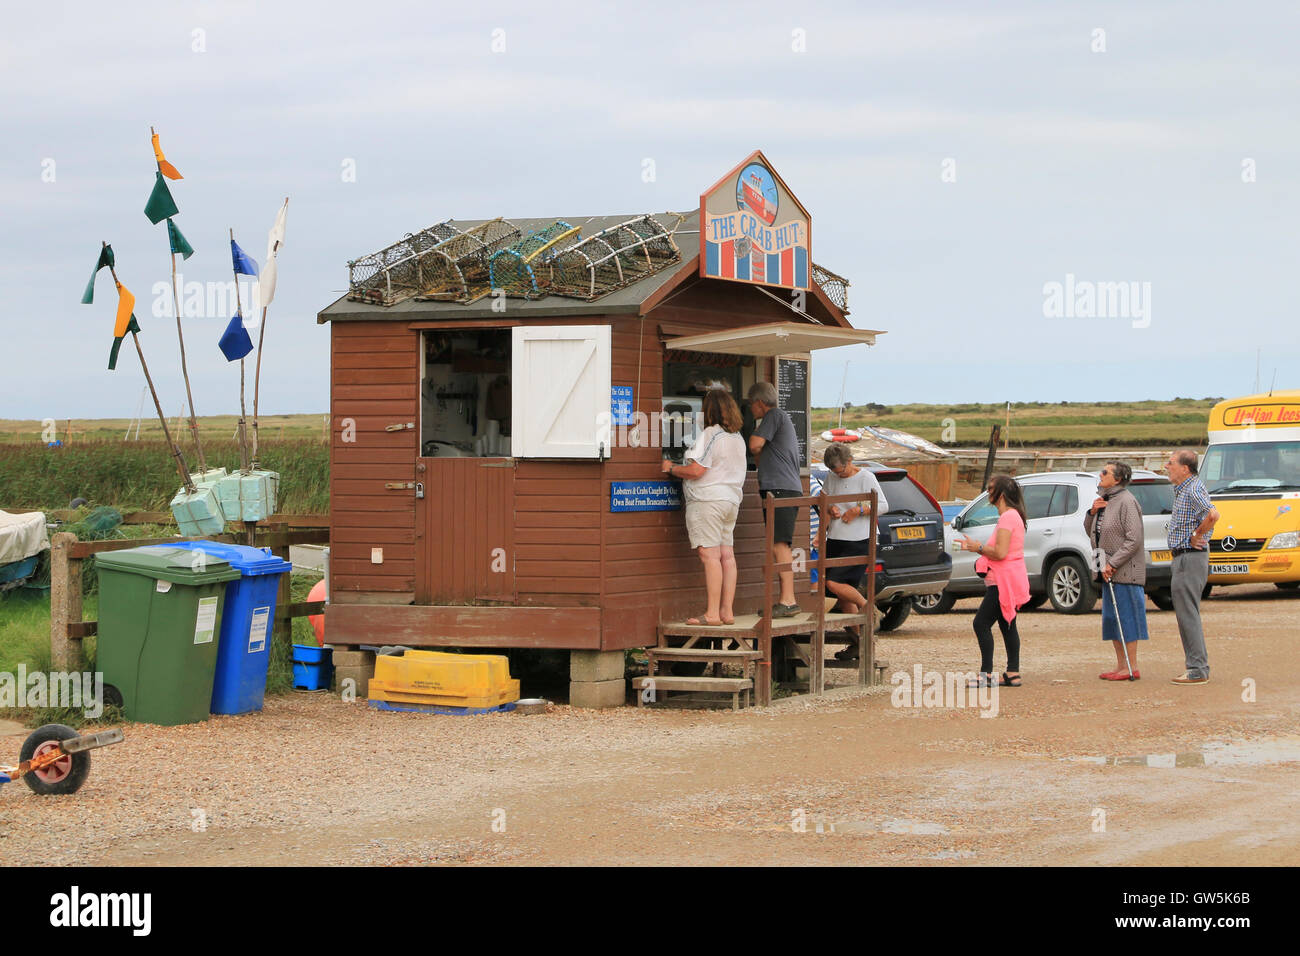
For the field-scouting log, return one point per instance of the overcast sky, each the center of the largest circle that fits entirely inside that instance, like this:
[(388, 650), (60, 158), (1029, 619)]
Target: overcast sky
[(955, 159)]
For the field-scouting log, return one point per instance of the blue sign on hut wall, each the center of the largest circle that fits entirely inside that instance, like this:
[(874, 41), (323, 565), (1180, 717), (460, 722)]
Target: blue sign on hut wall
[(645, 496), (621, 404)]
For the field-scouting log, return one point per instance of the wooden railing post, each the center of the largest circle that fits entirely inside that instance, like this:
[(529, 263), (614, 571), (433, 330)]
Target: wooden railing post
[(867, 646), (763, 672), (65, 605)]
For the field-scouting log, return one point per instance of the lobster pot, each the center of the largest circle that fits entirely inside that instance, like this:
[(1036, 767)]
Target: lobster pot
[(198, 512), (611, 259), (396, 272), (516, 270), (248, 495), (456, 270)]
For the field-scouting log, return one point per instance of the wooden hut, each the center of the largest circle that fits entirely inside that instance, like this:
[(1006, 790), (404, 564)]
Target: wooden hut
[(498, 427)]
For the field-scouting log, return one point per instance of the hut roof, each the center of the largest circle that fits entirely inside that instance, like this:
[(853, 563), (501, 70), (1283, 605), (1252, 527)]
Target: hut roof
[(629, 299)]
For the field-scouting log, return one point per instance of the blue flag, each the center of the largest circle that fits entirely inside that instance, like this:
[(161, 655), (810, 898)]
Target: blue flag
[(244, 264), (235, 343)]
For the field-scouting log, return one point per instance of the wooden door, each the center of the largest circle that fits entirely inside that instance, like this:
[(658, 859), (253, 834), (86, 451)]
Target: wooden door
[(465, 531)]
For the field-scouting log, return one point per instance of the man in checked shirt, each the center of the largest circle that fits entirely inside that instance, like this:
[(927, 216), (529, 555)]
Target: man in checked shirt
[(1190, 527)]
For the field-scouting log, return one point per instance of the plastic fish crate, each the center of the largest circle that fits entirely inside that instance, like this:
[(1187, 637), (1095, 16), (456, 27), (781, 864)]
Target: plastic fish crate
[(436, 678)]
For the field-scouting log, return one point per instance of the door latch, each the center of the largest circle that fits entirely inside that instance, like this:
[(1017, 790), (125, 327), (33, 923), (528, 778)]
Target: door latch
[(399, 426), (398, 485)]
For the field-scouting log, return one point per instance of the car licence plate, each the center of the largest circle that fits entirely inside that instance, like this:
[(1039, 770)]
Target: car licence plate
[(1229, 568), (1160, 557), (910, 533)]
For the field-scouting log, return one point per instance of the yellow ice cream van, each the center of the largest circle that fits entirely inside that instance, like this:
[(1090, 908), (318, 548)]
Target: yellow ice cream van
[(1252, 471)]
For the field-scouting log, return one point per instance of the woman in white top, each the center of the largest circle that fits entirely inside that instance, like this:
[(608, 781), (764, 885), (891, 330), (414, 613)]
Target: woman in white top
[(714, 475), (849, 533)]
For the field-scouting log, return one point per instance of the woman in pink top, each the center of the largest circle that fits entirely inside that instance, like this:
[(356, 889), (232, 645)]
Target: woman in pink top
[(1002, 562)]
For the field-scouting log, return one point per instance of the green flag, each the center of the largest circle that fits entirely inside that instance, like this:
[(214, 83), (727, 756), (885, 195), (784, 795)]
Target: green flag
[(179, 244), (117, 343), (160, 204), (105, 259)]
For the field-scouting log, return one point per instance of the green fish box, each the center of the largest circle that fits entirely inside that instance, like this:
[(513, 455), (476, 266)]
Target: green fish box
[(198, 512), (248, 495)]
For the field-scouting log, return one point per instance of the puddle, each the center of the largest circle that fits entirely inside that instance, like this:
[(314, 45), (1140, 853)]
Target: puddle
[(952, 855), (859, 827), (1246, 754)]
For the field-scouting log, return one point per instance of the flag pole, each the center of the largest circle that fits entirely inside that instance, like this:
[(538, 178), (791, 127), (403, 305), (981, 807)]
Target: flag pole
[(180, 336), (257, 377), (257, 372), (167, 435), (243, 432), (250, 527)]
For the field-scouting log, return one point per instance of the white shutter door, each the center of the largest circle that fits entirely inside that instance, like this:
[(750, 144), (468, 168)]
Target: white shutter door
[(561, 391)]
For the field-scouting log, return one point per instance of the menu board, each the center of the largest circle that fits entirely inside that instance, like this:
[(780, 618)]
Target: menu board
[(792, 397)]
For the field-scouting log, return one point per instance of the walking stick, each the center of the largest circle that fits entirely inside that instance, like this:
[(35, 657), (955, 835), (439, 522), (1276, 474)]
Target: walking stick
[(1118, 621)]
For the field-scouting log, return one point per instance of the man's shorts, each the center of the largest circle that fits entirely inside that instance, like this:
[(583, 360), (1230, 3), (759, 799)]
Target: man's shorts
[(711, 523), (783, 525)]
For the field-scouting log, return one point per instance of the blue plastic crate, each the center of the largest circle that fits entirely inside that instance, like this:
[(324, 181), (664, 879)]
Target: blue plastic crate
[(441, 709), (313, 667)]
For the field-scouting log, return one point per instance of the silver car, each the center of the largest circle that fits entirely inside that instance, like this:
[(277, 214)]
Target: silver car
[(1057, 550)]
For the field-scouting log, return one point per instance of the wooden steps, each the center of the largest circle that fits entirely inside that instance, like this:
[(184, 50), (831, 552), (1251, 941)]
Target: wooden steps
[(658, 686), (700, 654)]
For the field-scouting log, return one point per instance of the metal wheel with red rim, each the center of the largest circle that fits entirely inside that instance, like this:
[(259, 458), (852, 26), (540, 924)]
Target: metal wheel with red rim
[(65, 775)]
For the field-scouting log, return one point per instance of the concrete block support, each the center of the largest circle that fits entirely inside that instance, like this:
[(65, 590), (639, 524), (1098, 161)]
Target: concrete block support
[(596, 665), (361, 673), (343, 657), (598, 694)]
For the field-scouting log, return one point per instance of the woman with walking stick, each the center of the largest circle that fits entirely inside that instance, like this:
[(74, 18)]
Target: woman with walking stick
[(1114, 526)]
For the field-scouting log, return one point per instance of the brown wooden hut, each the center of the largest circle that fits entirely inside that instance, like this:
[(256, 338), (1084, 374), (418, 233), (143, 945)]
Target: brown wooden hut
[(486, 490)]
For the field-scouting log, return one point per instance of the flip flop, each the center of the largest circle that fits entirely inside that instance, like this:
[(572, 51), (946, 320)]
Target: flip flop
[(704, 622)]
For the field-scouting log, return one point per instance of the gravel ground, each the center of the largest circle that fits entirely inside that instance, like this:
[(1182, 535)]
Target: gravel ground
[(847, 778)]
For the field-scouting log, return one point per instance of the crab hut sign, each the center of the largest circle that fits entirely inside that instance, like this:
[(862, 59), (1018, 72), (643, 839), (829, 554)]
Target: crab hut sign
[(752, 229)]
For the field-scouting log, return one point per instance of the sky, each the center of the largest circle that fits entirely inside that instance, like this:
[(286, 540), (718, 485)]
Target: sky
[(957, 160)]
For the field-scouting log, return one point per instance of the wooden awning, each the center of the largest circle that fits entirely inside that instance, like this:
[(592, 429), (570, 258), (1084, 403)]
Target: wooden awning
[(775, 338)]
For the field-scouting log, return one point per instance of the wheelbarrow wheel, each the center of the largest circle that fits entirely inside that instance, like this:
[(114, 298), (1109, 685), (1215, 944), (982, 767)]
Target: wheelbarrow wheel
[(65, 775)]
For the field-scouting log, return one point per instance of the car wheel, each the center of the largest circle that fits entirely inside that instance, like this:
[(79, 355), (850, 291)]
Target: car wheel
[(1070, 587), (894, 615), (1205, 591), (1162, 598), (940, 603), (1288, 585), (1034, 603)]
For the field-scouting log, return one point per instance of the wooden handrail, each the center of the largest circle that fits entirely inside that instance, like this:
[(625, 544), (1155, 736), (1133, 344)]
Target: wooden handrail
[(866, 638)]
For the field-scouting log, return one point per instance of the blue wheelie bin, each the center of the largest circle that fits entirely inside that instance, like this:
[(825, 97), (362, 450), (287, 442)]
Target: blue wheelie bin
[(244, 646)]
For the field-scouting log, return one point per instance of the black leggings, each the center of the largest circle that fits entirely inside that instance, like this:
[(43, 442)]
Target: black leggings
[(989, 612)]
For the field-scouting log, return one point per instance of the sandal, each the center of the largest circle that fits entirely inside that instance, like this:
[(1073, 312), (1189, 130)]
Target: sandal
[(1008, 681), (983, 680), (703, 621)]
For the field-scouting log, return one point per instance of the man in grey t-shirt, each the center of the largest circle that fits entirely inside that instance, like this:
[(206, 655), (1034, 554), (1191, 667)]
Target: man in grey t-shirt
[(776, 447)]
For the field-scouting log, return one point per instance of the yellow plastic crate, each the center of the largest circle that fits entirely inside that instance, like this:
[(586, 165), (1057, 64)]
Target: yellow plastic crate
[(435, 677)]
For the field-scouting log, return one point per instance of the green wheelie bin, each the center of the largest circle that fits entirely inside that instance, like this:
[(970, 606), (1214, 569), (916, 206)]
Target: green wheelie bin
[(159, 618)]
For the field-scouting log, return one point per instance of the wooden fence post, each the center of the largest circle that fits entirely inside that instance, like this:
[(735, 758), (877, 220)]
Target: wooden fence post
[(65, 605), (282, 628)]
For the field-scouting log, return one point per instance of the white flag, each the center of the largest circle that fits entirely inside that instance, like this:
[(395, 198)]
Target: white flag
[(266, 283), (276, 235), (274, 239)]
